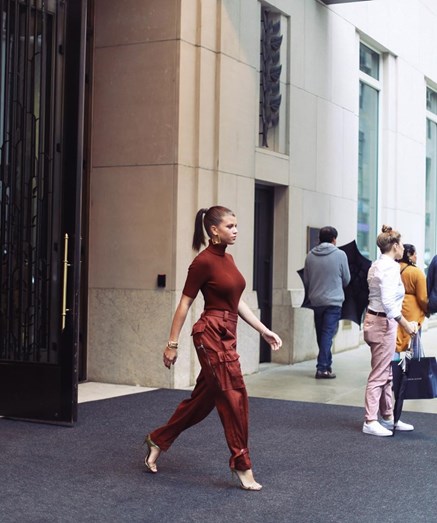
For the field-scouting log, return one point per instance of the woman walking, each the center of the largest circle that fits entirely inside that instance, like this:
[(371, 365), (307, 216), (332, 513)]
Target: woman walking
[(220, 383), (386, 294)]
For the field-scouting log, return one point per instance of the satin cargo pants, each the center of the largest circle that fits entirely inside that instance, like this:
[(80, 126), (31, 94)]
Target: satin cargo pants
[(220, 384), (380, 335)]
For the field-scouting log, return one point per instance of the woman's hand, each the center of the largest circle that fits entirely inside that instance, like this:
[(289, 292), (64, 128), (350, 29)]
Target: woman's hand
[(170, 357), (272, 339), (411, 327)]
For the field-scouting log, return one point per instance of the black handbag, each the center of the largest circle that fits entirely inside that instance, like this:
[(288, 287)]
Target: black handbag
[(419, 380)]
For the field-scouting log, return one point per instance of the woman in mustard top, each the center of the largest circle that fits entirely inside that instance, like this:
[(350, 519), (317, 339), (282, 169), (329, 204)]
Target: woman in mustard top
[(415, 304)]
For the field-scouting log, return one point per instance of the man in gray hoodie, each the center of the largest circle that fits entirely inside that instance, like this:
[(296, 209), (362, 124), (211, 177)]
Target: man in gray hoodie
[(326, 273)]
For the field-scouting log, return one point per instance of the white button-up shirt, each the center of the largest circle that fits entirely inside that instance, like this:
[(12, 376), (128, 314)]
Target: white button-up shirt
[(386, 290)]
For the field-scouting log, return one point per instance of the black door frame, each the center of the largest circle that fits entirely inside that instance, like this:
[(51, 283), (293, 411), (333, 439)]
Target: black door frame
[(263, 258)]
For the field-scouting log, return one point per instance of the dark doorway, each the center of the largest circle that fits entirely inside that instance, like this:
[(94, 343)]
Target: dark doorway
[(41, 140), (263, 259)]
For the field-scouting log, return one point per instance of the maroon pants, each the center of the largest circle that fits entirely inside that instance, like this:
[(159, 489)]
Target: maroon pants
[(220, 384)]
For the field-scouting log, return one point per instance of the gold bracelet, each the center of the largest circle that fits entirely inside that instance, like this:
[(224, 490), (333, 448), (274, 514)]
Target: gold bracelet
[(172, 345)]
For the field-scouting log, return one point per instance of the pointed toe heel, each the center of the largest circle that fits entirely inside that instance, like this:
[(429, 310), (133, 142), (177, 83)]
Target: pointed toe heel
[(252, 485), (150, 467)]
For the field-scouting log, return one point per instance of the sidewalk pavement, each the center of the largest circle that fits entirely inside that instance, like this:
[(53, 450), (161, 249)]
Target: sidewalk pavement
[(296, 382)]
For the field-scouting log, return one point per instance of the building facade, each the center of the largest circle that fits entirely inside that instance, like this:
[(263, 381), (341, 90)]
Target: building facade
[(294, 113)]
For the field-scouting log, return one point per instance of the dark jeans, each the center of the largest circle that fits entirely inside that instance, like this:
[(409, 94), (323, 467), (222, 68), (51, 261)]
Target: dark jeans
[(326, 321)]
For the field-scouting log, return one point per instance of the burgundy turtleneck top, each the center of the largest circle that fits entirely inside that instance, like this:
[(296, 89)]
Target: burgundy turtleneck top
[(215, 274)]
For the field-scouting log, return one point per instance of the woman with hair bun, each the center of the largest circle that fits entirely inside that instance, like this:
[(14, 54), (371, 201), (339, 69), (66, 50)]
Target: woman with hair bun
[(220, 383), (386, 294)]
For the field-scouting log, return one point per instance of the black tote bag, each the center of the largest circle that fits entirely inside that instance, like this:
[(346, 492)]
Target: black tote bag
[(419, 380)]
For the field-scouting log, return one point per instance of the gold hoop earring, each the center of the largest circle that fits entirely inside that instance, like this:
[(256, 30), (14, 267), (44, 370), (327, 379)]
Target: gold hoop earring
[(216, 240)]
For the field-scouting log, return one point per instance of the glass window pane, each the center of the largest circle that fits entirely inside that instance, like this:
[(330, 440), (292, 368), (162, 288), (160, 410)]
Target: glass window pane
[(368, 171), (369, 61), (431, 193), (431, 100)]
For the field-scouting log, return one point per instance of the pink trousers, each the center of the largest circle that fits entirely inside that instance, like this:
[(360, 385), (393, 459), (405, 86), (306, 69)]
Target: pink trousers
[(220, 384), (380, 335)]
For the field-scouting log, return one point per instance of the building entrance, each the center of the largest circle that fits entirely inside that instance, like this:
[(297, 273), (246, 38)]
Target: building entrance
[(41, 139), (263, 259)]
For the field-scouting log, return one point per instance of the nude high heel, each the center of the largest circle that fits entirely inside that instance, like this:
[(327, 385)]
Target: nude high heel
[(253, 485), (151, 467)]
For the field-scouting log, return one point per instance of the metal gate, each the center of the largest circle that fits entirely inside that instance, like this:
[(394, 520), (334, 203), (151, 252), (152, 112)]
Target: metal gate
[(40, 182)]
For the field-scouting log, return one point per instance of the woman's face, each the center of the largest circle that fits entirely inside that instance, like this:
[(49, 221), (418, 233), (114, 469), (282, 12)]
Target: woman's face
[(226, 229), (413, 257)]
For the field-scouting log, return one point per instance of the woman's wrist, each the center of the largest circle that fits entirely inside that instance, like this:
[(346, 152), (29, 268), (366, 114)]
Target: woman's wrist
[(172, 344)]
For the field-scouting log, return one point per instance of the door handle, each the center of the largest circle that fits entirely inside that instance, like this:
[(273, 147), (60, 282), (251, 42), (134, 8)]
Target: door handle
[(64, 283)]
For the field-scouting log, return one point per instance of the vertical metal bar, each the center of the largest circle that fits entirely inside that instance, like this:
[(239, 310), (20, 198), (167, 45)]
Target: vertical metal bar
[(24, 282), (64, 282), (56, 182), (6, 180), (34, 222), (12, 331), (2, 161), (40, 231)]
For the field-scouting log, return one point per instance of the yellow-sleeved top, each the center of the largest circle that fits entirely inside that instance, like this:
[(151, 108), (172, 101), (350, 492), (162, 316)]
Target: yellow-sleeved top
[(415, 304)]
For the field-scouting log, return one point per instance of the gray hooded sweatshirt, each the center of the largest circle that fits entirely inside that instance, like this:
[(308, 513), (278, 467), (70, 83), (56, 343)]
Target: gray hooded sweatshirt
[(326, 273)]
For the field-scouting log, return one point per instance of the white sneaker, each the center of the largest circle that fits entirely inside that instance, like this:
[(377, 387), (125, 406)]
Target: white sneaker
[(400, 425), (374, 428)]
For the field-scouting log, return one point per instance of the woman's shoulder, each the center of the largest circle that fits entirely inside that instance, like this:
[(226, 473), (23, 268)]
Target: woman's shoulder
[(418, 272), (202, 258)]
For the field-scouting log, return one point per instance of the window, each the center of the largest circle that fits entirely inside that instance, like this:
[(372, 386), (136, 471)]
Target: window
[(431, 176), (368, 157)]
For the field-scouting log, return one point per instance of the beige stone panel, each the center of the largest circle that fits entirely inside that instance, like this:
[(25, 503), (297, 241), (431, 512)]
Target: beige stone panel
[(208, 110), (318, 52), (350, 155), (345, 63), (297, 43), (296, 237), (135, 116), (272, 167), (207, 183), (296, 328), (200, 22), (248, 342), (281, 254), (189, 104), (330, 133), (132, 21), (190, 20), (411, 96), (411, 169), (303, 138), (250, 33), (198, 107), (238, 120), (344, 219), (187, 207), (230, 28), (128, 330), (131, 227), (347, 337)]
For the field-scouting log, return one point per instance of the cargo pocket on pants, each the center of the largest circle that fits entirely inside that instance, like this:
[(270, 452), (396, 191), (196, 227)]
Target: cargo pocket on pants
[(228, 371)]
